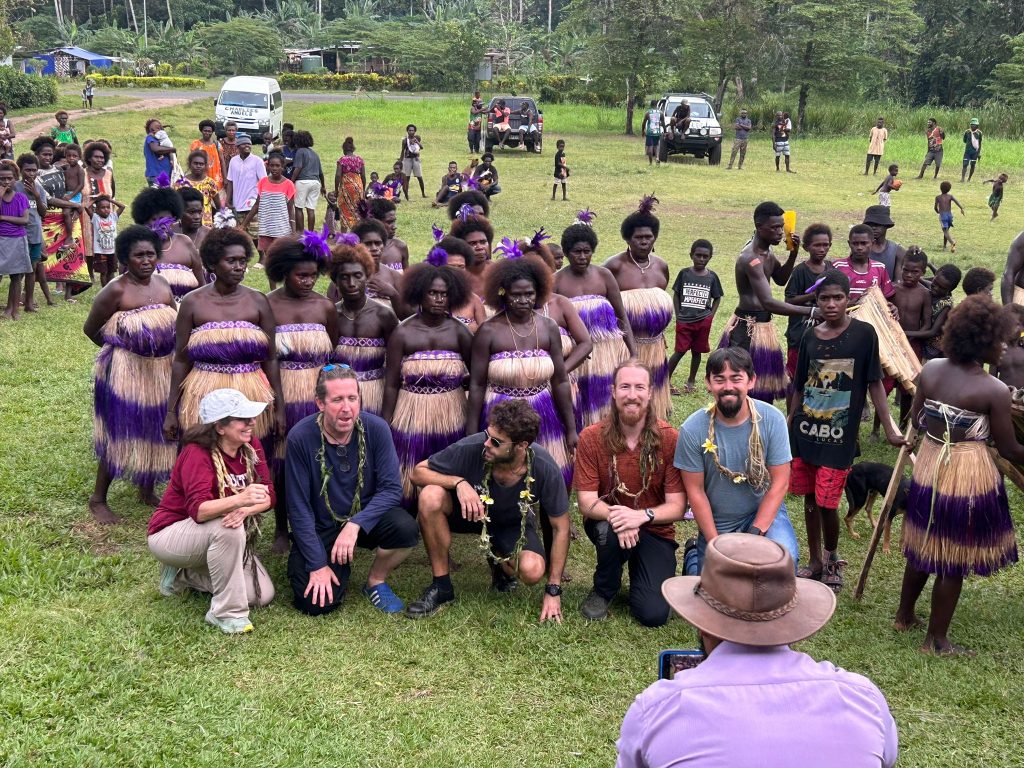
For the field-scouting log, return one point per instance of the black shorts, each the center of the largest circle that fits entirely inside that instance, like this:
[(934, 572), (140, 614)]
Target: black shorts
[(504, 533)]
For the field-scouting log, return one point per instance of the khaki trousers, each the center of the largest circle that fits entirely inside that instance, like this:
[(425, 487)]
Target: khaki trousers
[(209, 559)]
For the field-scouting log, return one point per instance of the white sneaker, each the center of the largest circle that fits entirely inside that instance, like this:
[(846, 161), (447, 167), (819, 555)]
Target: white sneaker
[(230, 626)]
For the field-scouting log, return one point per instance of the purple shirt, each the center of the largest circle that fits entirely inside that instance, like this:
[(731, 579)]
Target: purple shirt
[(745, 703), (244, 175), (16, 207)]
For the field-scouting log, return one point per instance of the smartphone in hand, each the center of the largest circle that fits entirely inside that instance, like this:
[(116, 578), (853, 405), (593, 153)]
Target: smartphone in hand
[(672, 662)]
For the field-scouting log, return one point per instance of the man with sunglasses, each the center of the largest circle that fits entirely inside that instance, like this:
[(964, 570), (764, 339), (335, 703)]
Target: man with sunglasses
[(343, 491), (494, 484)]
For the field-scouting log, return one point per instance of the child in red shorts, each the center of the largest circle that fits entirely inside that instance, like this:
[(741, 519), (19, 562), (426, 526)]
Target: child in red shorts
[(696, 294), (837, 367)]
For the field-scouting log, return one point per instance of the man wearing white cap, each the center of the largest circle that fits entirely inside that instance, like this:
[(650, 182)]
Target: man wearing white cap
[(754, 701), (204, 531)]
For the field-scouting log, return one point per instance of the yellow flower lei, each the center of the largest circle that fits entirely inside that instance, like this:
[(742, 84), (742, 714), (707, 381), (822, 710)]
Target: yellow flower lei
[(526, 504)]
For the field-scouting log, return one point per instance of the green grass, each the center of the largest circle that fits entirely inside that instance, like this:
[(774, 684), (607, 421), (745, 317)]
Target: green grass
[(71, 101), (98, 669)]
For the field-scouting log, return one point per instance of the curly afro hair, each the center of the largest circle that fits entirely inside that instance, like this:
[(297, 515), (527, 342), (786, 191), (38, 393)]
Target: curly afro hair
[(128, 237), (42, 141), (461, 229), (517, 419), (417, 280), (96, 146), (190, 195), (502, 274), (636, 220), (813, 231), (540, 251), (218, 241), (456, 247), (469, 197), (978, 279), (198, 153), (380, 207), (153, 200), (207, 124), (370, 225), (578, 233), (974, 327), (342, 254), (285, 254)]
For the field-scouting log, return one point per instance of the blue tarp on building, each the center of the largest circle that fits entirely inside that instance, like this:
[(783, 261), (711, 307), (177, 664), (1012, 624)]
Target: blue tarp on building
[(75, 60)]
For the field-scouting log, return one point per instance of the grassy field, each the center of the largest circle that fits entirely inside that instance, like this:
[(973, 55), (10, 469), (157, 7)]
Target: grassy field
[(98, 669)]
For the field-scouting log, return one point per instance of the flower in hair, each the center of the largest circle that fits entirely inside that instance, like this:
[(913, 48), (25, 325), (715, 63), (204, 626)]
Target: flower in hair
[(438, 233), (224, 218), (346, 238), (539, 237), (466, 212), (163, 181), (647, 203), (163, 227), (509, 248), (316, 244), (438, 256), (377, 189), (586, 216), (472, 183)]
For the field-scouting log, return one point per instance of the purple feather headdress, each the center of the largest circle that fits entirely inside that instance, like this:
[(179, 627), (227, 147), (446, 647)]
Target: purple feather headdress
[(438, 256), (316, 244), (509, 248), (817, 282), (438, 233), (586, 216), (472, 183), (377, 189), (346, 238), (466, 212), (163, 180), (363, 209), (647, 203), (539, 237), (163, 227)]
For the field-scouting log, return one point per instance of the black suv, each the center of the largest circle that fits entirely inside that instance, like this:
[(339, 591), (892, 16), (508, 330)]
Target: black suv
[(704, 136), (531, 140)]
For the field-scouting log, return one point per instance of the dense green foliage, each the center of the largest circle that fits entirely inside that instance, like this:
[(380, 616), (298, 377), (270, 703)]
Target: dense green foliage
[(125, 81), (346, 82), (18, 90)]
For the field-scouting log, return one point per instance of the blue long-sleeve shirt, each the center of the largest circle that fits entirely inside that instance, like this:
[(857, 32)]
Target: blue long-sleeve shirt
[(308, 517)]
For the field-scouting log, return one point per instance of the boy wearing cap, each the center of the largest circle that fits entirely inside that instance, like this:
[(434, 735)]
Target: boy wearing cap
[(244, 173), (972, 149), (205, 529), (753, 696)]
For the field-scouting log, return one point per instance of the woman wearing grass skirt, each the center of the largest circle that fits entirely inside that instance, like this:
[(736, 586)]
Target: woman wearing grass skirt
[(642, 278), (205, 531), (365, 326), (306, 332), (958, 518), (224, 338), (518, 354), (427, 362), (132, 320), (160, 208), (595, 295)]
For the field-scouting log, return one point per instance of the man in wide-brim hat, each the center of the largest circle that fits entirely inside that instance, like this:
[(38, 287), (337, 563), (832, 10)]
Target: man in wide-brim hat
[(754, 701)]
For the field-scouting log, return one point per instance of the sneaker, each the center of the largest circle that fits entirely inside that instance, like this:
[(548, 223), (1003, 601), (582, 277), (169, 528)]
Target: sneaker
[(432, 600), (594, 607), (230, 626), (383, 599), (168, 579), (501, 581)]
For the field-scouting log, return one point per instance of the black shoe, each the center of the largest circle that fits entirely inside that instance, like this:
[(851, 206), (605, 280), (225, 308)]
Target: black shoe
[(432, 600), (501, 581), (594, 607)]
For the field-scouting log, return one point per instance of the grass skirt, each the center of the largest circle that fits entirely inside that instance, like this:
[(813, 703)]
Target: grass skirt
[(430, 413), (226, 354), (958, 517), (180, 277), (650, 311), (568, 345), (365, 356), (526, 375), (762, 342), (132, 377), (302, 350), (595, 374)]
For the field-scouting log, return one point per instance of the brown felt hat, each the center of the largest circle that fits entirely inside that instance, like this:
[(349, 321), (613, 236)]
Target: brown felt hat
[(748, 593)]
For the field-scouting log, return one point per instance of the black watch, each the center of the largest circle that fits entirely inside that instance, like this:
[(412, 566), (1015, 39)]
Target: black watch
[(555, 590), (650, 514), (755, 530)]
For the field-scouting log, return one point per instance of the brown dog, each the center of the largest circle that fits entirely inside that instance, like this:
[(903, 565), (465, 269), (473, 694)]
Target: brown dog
[(867, 482)]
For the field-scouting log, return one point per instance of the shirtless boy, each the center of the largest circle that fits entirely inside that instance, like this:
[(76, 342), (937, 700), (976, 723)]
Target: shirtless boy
[(74, 183), (944, 203), (914, 303)]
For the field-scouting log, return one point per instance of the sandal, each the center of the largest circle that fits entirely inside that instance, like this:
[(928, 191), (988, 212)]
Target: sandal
[(832, 576), (676, 391), (803, 572), (690, 389)]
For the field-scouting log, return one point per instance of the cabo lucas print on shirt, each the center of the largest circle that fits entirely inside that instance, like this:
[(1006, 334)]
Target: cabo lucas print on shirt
[(826, 405)]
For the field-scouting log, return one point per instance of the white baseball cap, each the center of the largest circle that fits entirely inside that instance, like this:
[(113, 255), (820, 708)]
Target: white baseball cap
[(224, 403)]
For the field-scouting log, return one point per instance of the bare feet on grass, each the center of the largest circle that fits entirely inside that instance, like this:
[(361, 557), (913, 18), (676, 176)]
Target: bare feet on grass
[(101, 512), (281, 543)]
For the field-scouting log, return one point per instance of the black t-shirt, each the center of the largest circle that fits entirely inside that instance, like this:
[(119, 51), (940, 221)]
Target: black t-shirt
[(833, 375), (801, 279), (693, 294), (465, 459), (559, 158)]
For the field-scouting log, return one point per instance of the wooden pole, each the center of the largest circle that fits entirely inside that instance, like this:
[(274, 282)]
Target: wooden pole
[(890, 495)]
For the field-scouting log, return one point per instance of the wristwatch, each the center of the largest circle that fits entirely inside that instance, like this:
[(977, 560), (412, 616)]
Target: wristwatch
[(755, 530), (555, 590), (650, 514)]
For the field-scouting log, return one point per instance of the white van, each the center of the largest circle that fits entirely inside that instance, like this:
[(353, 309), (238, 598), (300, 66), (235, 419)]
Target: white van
[(254, 103)]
